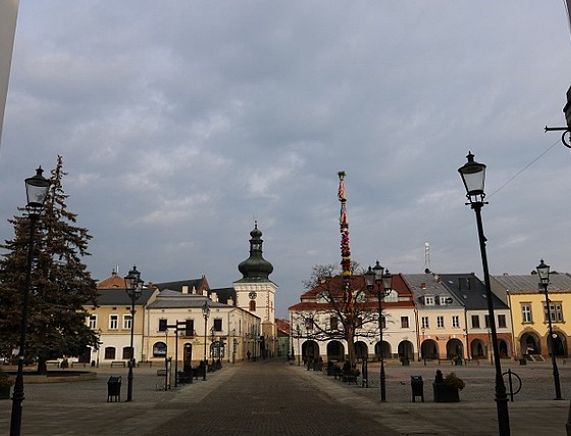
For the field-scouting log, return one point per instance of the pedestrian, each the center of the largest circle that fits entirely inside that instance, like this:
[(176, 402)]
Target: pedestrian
[(248, 354)]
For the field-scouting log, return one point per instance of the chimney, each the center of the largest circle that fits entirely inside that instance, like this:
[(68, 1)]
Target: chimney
[(214, 297), (185, 289)]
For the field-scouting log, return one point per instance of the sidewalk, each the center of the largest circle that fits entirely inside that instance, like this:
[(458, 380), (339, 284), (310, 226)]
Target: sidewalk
[(273, 397), (534, 412)]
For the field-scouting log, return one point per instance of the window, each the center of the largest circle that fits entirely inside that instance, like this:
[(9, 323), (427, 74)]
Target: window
[(309, 323), (333, 322), (487, 321), (429, 300), (404, 322), (127, 321), (252, 305), (502, 321), (113, 322), (127, 353), (110, 353), (475, 321), (159, 349), (425, 323), (189, 327), (217, 324), (163, 325), (93, 322), (440, 321), (556, 310), (455, 321), (526, 312), (442, 300)]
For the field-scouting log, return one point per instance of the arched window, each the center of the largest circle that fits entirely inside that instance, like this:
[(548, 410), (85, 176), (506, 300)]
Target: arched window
[(159, 349), (110, 353), (252, 305)]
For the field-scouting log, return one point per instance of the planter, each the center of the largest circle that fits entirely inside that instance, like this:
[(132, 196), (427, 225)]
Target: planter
[(444, 393), (4, 392)]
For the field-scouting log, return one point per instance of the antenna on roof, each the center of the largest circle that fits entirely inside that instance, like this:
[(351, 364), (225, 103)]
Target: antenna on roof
[(427, 265)]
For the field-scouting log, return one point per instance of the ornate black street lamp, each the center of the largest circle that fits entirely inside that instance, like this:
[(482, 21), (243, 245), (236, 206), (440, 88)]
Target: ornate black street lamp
[(206, 314), (134, 289), (473, 175), (377, 277), (543, 273), (36, 191)]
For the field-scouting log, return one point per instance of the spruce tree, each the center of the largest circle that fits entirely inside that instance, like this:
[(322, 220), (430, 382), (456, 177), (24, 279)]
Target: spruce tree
[(60, 287)]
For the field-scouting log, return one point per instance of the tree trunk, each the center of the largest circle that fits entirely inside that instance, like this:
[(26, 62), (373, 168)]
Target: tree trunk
[(350, 338), (42, 365)]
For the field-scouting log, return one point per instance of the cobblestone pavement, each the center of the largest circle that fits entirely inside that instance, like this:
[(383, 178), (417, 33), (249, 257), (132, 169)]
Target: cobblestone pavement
[(276, 398), (271, 399)]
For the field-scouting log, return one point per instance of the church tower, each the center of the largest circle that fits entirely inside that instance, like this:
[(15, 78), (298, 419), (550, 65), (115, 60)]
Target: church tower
[(255, 292)]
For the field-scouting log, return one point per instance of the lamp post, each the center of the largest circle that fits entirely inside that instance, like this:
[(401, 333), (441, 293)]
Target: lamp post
[(543, 274), (36, 191), (377, 276), (134, 289), (473, 176), (205, 313)]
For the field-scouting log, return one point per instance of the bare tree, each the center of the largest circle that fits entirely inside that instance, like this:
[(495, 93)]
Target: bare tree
[(338, 308)]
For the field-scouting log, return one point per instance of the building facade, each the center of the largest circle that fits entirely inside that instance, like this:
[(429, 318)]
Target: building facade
[(440, 328), (472, 293), (528, 310), (317, 329), (111, 319), (256, 293)]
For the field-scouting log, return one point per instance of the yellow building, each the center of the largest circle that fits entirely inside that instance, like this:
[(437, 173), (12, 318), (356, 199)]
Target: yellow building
[(228, 333), (529, 313), (112, 319)]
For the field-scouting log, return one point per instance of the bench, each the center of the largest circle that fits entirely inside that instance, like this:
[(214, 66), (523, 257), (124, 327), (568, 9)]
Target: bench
[(74, 364), (118, 363), (52, 363), (184, 377)]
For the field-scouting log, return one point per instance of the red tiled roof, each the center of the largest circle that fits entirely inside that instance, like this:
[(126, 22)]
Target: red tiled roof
[(283, 326), (114, 281), (333, 286)]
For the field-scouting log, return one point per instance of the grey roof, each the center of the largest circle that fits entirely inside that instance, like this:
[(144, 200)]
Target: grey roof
[(173, 299), (224, 294), (119, 297), (177, 285), (427, 284), (528, 284), (468, 288)]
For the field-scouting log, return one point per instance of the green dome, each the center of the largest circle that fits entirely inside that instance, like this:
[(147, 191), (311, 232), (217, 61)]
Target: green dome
[(256, 268)]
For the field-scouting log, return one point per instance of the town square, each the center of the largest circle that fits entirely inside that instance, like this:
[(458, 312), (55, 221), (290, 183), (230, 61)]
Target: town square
[(305, 217)]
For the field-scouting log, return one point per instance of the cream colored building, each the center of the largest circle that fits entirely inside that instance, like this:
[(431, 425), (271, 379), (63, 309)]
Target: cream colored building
[(441, 324), (316, 329), (228, 333), (111, 319), (256, 293)]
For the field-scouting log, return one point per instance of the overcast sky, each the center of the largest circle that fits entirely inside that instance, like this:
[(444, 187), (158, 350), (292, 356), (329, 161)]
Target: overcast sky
[(181, 122)]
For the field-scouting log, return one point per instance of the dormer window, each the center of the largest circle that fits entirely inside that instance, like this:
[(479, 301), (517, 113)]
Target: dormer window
[(429, 300)]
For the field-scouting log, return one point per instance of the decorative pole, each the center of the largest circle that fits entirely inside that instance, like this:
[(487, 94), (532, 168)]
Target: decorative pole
[(346, 270)]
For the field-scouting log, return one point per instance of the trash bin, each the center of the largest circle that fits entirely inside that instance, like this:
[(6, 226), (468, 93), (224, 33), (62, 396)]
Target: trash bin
[(417, 386), (114, 388)]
